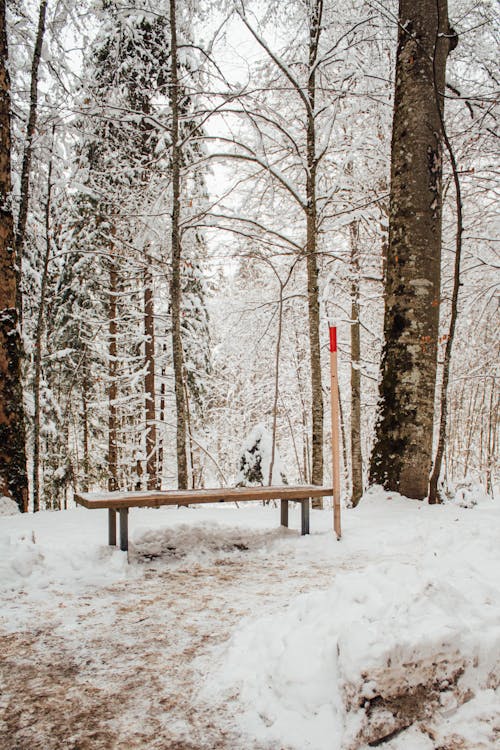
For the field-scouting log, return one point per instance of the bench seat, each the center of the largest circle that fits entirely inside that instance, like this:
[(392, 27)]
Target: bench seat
[(122, 501)]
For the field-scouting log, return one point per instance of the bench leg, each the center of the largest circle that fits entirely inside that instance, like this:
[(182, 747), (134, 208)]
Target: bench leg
[(124, 529), (305, 516), (284, 513), (111, 527)]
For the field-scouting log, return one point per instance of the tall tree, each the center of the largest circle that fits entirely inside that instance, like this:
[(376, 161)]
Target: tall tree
[(13, 473), (402, 453), (175, 280), (28, 150)]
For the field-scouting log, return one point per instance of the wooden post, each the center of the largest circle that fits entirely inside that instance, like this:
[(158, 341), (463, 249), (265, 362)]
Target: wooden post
[(284, 512), (111, 527), (334, 397), (304, 516), (124, 529)]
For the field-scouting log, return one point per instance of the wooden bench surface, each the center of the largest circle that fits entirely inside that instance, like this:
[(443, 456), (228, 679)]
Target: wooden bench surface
[(155, 498)]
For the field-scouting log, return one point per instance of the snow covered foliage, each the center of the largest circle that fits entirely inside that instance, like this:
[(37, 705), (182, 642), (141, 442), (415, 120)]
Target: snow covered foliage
[(468, 493), (256, 456), (8, 507)]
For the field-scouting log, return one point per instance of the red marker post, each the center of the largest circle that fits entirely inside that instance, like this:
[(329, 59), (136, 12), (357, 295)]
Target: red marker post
[(334, 398)]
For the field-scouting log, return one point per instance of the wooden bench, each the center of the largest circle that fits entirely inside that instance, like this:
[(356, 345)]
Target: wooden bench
[(121, 502)]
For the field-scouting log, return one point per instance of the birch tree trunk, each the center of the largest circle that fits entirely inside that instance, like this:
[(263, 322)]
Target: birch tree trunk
[(402, 453), (356, 455), (149, 381), (13, 473), (85, 422), (175, 284), (312, 258), (112, 375), (40, 324)]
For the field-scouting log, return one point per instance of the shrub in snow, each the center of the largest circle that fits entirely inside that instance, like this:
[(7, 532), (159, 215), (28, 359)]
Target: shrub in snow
[(468, 493), (255, 460), (8, 507)]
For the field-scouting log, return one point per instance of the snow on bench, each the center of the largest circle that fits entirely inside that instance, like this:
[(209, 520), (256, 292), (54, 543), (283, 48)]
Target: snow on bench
[(122, 501)]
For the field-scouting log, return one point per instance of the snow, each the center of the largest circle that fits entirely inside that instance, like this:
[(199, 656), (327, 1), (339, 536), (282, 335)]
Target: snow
[(8, 507), (223, 630)]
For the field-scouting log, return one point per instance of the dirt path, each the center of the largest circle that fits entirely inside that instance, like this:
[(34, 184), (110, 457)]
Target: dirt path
[(121, 670)]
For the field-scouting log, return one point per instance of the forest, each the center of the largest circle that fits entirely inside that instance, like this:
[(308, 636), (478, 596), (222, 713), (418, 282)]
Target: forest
[(194, 192)]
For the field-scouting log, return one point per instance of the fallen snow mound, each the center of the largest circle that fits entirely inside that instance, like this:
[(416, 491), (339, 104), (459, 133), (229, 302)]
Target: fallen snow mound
[(183, 540), (400, 642), (468, 494), (378, 651), (8, 507)]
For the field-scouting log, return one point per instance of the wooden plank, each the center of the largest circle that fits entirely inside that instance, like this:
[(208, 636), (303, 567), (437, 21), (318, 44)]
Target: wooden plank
[(153, 499)]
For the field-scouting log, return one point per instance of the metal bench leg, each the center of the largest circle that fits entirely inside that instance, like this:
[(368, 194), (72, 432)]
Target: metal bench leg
[(111, 527), (124, 529), (305, 516), (284, 513)]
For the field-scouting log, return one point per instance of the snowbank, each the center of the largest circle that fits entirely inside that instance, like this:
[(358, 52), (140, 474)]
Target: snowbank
[(382, 648), (408, 629), (8, 507)]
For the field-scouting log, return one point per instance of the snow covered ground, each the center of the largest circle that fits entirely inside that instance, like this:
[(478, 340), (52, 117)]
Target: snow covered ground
[(225, 631)]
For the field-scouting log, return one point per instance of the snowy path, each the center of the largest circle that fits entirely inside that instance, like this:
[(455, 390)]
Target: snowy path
[(118, 670), (213, 643)]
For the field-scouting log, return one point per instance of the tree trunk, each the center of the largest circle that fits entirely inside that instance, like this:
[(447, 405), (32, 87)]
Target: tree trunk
[(163, 392), (434, 496), (13, 473), (175, 284), (28, 150), (38, 346), (276, 383), (112, 375), (402, 453), (149, 381), (312, 259), (356, 455), (85, 423)]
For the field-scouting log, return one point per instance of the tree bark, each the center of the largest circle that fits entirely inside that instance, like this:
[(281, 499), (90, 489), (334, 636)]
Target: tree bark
[(149, 381), (276, 382), (40, 324), (13, 473), (175, 284), (434, 496), (402, 453), (356, 455), (312, 258), (85, 423), (112, 375), (28, 150)]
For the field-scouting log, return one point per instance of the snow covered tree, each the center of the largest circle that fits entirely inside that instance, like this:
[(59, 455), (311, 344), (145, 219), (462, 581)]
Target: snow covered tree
[(13, 475), (255, 460), (124, 165)]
